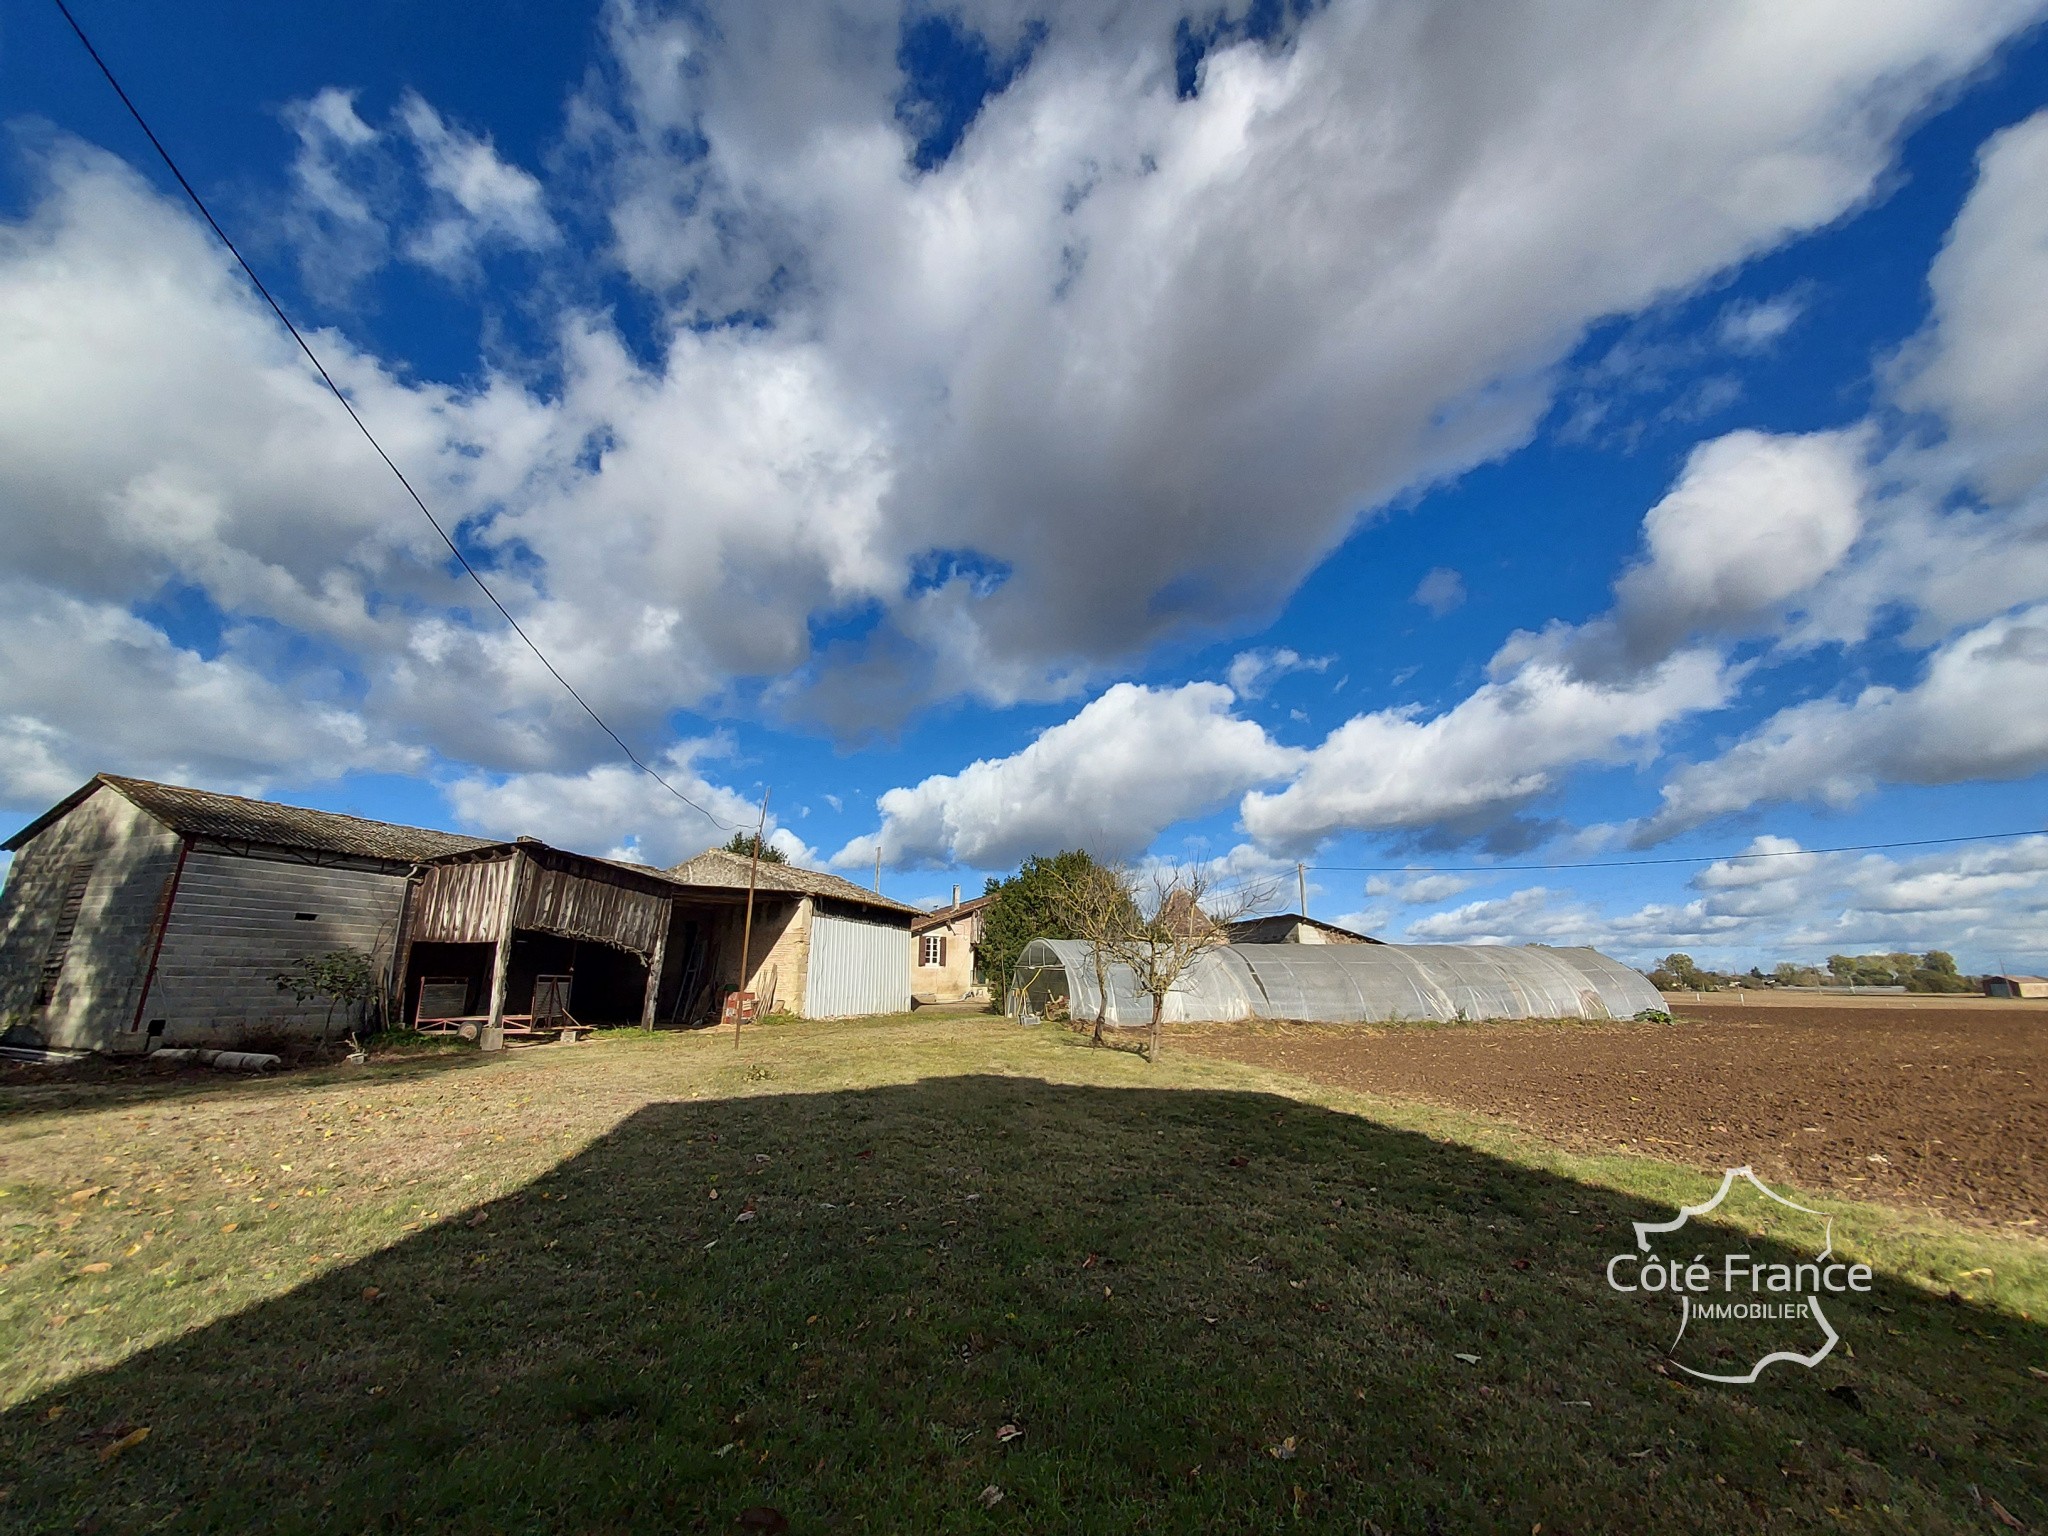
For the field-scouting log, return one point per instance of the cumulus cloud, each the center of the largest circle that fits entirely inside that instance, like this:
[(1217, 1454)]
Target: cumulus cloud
[(1985, 905), (1754, 520), (1487, 757), (1441, 590), (1111, 779), (614, 805), (1251, 673), (1160, 359), (1418, 890), (1964, 720), (106, 691), (480, 199), (1121, 367), (1982, 366)]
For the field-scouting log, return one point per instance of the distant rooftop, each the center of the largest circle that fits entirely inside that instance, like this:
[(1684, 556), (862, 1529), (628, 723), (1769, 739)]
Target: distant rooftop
[(717, 867)]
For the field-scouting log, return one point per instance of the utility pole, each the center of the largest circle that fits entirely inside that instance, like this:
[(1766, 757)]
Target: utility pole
[(1301, 880), (878, 866), (747, 929)]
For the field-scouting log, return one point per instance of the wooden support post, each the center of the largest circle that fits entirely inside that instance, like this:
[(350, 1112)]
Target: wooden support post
[(654, 965), (501, 963), (747, 933)]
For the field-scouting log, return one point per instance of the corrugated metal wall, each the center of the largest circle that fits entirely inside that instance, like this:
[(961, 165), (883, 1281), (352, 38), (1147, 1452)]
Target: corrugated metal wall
[(235, 925), (856, 967)]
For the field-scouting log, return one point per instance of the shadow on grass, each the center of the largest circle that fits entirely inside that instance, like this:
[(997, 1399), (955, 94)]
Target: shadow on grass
[(1203, 1310), (97, 1085)]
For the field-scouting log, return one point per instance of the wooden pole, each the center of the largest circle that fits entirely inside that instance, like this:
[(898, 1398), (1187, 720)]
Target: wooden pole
[(747, 931), (1301, 879), (654, 965), (501, 962)]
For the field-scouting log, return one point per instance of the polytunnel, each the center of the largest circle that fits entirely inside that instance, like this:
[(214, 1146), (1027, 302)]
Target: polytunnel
[(1344, 983)]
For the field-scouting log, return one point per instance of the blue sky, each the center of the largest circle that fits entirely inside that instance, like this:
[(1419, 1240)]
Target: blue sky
[(1366, 436)]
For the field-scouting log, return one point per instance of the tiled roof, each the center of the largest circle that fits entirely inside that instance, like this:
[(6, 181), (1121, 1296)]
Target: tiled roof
[(716, 867), (234, 819), (938, 917)]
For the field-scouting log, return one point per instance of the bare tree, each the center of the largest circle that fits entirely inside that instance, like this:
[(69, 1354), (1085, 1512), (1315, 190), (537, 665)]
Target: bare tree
[(1190, 914), (1095, 903)]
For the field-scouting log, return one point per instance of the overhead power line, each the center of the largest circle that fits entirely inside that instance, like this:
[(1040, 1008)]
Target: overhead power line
[(1693, 858), (369, 436)]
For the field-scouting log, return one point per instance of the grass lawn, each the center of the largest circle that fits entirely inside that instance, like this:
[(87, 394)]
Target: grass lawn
[(919, 1276)]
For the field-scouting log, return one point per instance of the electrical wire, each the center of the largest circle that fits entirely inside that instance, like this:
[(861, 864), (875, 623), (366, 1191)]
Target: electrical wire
[(370, 437), (1696, 858)]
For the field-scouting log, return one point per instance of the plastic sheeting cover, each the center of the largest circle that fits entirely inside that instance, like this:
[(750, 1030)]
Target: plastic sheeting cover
[(1346, 983)]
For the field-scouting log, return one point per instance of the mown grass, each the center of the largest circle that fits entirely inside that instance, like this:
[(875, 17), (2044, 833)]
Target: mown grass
[(651, 1283)]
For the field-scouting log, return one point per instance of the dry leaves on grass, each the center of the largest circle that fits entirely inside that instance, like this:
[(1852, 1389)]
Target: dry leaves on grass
[(129, 1441)]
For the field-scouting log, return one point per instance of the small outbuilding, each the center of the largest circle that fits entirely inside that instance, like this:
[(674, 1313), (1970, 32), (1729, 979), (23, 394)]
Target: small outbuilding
[(2016, 986)]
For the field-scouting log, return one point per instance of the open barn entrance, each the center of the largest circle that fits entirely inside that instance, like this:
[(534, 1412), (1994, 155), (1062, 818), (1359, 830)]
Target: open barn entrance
[(548, 975)]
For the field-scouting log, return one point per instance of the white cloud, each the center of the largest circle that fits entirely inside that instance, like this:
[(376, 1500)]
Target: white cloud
[(482, 199), (1490, 755), (1754, 521), (1198, 370), (1441, 590), (1983, 363), (1127, 766), (1971, 717), (335, 227), (1987, 906), (1418, 890), (615, 805), (1757, 326), (1251, 673), (89, 687)]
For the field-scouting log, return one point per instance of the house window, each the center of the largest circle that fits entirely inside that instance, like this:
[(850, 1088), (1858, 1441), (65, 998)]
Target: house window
[(79, 877), (934, 950)]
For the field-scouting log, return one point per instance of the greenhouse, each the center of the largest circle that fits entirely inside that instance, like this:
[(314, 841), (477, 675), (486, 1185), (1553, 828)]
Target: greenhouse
[(1341, 984)]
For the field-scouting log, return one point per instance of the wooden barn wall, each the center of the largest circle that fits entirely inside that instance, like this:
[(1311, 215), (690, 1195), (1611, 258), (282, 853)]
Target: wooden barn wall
[(556, 901), (235, 925), (460, 903), (132, 857)]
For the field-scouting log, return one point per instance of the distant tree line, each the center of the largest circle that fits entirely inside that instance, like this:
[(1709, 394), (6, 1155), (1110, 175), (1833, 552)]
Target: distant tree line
[(1934, 971)]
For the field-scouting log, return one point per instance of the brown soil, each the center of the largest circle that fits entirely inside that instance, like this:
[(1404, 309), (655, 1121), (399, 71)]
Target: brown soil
[(1941, 1106)]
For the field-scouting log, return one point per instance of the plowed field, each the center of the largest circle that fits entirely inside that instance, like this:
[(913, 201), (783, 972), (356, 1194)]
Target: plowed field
[(1938, 1106)]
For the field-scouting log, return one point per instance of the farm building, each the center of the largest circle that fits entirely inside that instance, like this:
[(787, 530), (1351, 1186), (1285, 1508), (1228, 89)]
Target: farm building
[(138, 914), (1291, 928), (944, 967), (2016, 986), (1348, 984)]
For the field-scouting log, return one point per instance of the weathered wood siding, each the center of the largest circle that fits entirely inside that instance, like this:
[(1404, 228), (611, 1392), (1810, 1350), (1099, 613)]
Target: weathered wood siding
[(461, 903), (235, 925), (92, 1003), (555, 901)]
